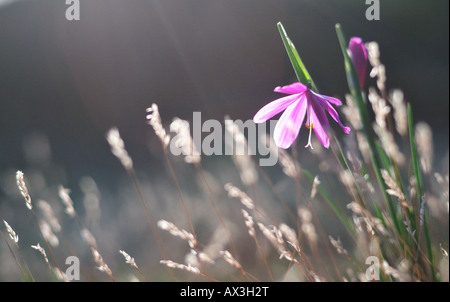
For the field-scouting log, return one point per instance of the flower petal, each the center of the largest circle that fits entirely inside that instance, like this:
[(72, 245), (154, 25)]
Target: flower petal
[(320, 121), (333, 113), (292, 89), (330, 99), (274, 107), (288, 127)]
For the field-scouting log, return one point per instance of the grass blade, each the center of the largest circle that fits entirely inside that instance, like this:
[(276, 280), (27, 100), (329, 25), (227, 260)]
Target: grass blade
[(420, 190), (300, 70)]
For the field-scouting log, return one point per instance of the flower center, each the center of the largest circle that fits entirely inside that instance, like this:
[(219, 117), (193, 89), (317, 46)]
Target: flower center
[(309, 126)]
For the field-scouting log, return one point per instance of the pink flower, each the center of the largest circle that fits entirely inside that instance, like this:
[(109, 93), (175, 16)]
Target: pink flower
[(301, 102), (358, 54)]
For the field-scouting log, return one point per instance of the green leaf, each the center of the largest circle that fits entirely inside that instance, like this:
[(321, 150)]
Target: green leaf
[(302, 73)]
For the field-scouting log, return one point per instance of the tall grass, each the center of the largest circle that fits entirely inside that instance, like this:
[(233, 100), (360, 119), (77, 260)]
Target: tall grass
[(373, 194)]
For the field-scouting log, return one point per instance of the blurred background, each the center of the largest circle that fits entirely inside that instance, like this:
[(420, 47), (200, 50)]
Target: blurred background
[(63, 83)]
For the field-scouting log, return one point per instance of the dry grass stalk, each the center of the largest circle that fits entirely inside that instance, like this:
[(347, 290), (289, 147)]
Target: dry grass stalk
[(230, 260), (175, 231), (389, 144), (14, 237), (23, 189), (380, 108), (307, 226), (202, 257), (363, 146), (356, 208), (154, 120), (118, 148), (129, 259), (284, 253), (351, 113), (378, 70), (412, 187), (56, 270), (290, 167), (87, 237), (400, 111), (243, 161), (394, 189), (42, 251), (188, 268), (290, 235), (274, 237), (361, 182), (272, 240), (316, 277), (237, 193), (373, 225), (49, 215), (346, 177), (217, 243), (338, 245), (444, 187), (249, 223), (424, 141), (184, 141), (102, 266), (400, 274), (443, 251), (316, 183), (48, 234), (67, 201), (25, 276), (91, 200)]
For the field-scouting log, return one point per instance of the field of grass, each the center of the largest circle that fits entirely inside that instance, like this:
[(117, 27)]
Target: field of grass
[(374, 206)]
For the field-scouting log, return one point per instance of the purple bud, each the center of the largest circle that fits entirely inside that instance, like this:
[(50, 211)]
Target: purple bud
[(358, 54)]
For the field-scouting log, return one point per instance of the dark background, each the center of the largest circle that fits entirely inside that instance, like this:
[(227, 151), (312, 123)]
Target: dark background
[(69, 82)]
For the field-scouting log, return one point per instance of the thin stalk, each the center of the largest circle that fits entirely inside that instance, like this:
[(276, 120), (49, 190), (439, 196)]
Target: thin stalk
[(178, 187), (45, 240), (215, 205), (420, 190), (261, 253), (331, 203), (278, 196), (183, 203), (150, 220), (16, 260)]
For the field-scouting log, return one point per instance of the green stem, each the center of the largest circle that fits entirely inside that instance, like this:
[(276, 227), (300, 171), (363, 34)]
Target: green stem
[(355, 90), (420, 191), (333, 205)]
